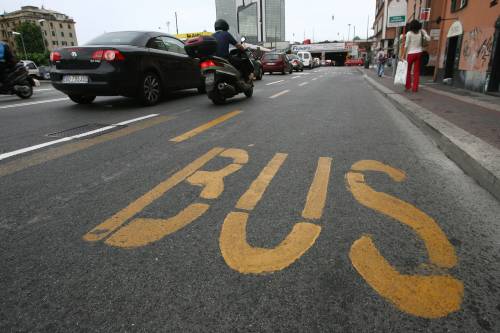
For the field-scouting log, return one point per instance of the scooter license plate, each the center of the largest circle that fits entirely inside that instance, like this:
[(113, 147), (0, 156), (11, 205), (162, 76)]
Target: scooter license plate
[(210, 79), (75, 79)]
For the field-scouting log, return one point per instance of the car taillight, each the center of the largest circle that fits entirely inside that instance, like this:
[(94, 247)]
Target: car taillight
[(108, 55), (208, 63), (55, 56)]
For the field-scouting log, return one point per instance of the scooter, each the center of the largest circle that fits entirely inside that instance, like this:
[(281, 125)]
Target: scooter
[(223, 80), (17, 82)]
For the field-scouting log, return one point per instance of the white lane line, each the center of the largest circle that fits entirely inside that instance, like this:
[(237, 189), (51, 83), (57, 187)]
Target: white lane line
[(69, 138), (44, 89), (34, 103), (295, 77), (268, 84), (280, 94), (303, 84), (314, 79)]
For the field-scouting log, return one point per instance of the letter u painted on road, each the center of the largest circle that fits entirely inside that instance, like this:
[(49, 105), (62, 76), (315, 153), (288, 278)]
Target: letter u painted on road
[(143, 231), (247, 259), (428, 296)]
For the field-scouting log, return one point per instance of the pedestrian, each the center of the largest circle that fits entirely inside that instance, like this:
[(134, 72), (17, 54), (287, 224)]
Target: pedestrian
[(416, 38), (381, 59)]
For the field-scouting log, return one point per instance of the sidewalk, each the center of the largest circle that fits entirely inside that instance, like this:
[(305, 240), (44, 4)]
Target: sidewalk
[(464, 124)]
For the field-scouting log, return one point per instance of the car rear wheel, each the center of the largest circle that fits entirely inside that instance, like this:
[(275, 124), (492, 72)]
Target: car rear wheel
[(150, 91), (82, 99)]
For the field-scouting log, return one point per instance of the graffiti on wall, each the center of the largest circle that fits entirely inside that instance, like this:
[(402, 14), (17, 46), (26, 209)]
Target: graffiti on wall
[(477, 49)]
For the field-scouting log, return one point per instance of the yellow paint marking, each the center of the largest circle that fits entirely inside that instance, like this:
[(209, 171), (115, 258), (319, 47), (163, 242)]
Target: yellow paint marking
[(239, 156), (103, 230), (212, 181), (441, 252), (423, 296), (253, 195), (141, 232), (204, 127), (70, 148), (316, 197), (246, 259)]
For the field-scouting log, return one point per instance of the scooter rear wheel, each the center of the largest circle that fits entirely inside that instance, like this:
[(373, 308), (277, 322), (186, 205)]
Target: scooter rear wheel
[(26, 94), (249, 92), (216, 97)]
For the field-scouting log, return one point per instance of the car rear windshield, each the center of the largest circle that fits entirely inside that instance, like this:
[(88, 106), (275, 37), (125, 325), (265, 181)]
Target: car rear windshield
[(271, 56), (116, 38), (292, 56)]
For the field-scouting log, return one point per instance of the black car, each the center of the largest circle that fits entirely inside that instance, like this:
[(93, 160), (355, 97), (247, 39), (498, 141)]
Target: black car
[(128, 63)]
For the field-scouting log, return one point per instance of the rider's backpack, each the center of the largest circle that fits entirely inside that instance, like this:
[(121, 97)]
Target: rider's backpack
[(2, 52)]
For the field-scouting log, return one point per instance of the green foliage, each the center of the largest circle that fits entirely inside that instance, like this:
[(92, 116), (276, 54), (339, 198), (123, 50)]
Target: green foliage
[(357, 38), (32, 36), (41, 59)]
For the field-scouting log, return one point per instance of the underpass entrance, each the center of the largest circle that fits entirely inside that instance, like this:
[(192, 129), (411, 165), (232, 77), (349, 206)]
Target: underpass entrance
[(337, 57)]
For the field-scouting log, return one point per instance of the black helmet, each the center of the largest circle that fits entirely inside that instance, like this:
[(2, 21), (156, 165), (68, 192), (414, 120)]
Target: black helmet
[(221, 24)]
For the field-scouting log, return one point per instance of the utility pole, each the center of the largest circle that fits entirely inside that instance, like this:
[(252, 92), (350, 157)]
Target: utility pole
[(176, 23), (354, 35), (367, 25), (349, 33), (168, 26)]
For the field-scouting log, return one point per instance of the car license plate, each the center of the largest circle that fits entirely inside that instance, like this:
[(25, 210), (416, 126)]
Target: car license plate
[(75, 79), (210, 78), (270, 64)]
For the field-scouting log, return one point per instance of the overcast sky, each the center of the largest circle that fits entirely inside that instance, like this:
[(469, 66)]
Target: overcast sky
[(94, 17)]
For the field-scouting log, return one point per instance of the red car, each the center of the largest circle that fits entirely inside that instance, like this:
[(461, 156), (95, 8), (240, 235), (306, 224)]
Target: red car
[(276, 62), (355, 62)]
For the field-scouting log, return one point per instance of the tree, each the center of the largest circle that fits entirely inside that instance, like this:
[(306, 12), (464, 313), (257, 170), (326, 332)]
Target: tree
[(32, 36), (357, 38)]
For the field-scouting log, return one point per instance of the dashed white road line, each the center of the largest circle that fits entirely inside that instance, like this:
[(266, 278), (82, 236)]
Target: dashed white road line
[(295, 77), (268, 84), (44, 89), (279, 94), (314, 79), (34, 103), (69, 138), (303, 84)]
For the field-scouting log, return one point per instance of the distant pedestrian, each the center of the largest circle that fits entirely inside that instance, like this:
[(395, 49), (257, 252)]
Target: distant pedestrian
[(381, 59), (416, 39)]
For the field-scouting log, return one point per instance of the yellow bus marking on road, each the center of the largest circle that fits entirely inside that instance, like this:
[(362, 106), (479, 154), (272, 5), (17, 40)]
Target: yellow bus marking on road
[(316, 197), (70, 148), (441, 252), (431, 296), (253, 195), (144, 231), (204, 127), (244, 258), (104, 229)]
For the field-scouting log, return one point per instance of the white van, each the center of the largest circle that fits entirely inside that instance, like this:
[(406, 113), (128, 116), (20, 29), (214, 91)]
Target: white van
[(306, 58)]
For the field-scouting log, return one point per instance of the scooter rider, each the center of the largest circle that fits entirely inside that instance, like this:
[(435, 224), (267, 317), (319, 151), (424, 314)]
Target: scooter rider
[(7, 61), (224, 39)]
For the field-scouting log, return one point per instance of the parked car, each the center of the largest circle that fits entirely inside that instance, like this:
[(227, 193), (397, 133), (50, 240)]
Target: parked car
[(296, 62), (306, 58), (276, 62), (44, 72), (137, 64), (328, 62), (355, 62), (32, 68)]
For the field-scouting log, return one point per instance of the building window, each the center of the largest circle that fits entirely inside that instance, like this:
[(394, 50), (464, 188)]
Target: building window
[(54, 42), (51, 25), (457, 5), (60, 25), (69, 26), (72, 44), (45, 33), (64, 43), (71, 34), (62, 34), (53, 33), (41, 23)]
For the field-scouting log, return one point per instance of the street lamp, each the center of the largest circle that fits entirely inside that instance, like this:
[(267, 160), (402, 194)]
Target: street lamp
[(349, 33), (43, 38), (22, 41)]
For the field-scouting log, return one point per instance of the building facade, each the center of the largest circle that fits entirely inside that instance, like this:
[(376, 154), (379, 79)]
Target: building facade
[(469, 45), (259, 21), (384, 36), (58, 29)]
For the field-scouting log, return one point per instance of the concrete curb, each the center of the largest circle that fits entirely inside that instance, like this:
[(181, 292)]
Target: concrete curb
[(477, 158)]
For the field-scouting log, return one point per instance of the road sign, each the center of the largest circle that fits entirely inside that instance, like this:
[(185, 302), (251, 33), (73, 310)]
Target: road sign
[(396, 14), (425, 14)]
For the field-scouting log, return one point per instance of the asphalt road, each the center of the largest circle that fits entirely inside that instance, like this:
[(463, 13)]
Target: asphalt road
[(313, 206)]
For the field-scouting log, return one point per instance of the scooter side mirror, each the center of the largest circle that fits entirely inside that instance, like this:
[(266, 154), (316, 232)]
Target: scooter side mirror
[(243, 39)]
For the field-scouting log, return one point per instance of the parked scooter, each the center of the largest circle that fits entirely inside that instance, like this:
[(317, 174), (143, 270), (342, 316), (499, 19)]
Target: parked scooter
[(17, 82), (223, 79)]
